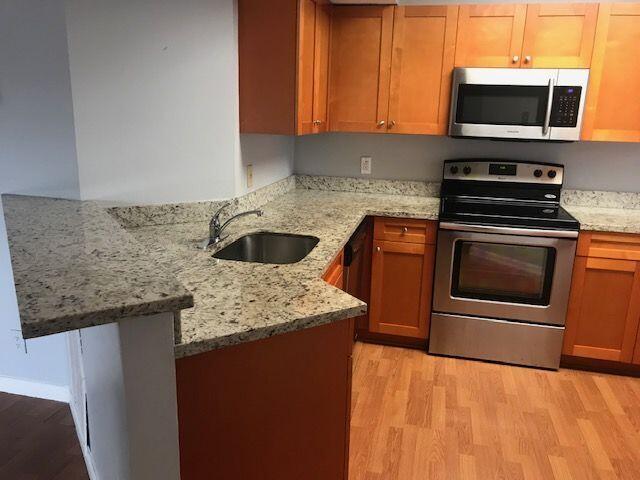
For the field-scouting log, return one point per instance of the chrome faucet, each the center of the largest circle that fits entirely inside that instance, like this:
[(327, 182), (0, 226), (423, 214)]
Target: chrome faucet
[(216, 228)]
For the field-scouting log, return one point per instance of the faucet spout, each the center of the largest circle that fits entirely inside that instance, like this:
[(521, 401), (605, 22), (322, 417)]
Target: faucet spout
[(216, 229)]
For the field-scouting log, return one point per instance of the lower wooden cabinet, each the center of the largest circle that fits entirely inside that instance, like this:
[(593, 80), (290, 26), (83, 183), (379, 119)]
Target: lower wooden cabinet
[(401, 285), (604, 307), (276, 408), (335, 273)]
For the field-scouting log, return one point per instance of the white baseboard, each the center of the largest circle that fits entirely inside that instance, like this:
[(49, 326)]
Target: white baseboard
[(30, 388), (86, 453)]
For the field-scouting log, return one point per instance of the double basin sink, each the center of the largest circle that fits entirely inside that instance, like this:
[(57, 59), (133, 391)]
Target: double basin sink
[(267, 247)]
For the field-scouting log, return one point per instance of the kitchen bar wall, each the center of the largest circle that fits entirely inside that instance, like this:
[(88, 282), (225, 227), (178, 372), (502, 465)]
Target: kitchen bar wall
[(590, 165), (38, 157)]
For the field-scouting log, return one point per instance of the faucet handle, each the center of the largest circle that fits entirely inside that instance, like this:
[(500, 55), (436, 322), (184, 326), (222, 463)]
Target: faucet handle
[(219, 211)]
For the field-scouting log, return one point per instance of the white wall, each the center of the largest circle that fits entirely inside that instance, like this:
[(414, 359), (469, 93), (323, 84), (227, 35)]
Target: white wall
[(156, 97), (590, 165), (271, 157), (37, 156)]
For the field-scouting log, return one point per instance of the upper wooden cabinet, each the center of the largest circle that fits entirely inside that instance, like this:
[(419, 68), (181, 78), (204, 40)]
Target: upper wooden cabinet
[(559, 35), (283, 50), (359, 71), (604, 306), (424, 42), (528, 36), (391, 69), (490, 35), (613, 98)]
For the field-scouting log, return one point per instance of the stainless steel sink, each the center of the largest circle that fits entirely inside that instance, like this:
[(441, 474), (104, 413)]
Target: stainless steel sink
[(266, 247)]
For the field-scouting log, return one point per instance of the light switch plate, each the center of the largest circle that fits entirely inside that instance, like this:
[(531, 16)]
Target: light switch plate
[(365, 165)]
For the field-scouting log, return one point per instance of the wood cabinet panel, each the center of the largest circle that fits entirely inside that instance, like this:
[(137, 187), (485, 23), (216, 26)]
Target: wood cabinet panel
[(275, 408), (559, 35), (359, 68), (490, 35), (321, 67), (401, 286), (405, 230), (613, 99), (609, 245), (604, 309), (424, 40), (335, 273), (306, 54)]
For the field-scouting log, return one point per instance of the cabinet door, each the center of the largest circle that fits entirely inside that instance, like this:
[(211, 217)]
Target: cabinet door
[(604, 309), (613, 98), (306, 57), (490, 35), (559, 35), (359, 72), (422, 63), (401, 284), (321, 67)]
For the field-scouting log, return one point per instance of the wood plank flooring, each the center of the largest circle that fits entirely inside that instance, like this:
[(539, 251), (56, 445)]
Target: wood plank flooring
[(416, 416), (38, 441)]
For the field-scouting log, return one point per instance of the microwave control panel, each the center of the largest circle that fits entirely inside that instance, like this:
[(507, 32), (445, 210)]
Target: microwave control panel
[(565, 106)]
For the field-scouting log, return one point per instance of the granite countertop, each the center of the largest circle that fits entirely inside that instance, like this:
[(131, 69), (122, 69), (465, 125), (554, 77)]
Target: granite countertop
[(74, 267), (237, 302), (606, 219)]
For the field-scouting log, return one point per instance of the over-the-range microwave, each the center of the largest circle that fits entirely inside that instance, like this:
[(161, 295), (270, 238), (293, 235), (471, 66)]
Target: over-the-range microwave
[(519, 104)]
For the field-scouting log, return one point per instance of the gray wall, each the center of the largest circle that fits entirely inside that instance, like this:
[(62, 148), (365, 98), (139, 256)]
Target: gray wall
[(590, 165), (37, 156)]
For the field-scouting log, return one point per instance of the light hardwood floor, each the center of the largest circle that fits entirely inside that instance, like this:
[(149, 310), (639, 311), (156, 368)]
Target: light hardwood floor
[(416, 416)]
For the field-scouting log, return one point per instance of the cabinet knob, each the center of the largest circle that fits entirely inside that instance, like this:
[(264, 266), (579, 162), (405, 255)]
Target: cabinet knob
[(392, 124), (515, 59), (377, 249), (405, 229), (317, 122), (527, 59), (381, 123)]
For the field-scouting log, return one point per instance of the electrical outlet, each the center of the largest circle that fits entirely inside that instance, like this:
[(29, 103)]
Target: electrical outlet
[(249, 176), (365, 165)]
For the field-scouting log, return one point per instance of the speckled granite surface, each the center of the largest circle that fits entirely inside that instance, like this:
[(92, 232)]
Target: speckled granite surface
[(75, 267), (365, 185), (617, 212), (237, 302)]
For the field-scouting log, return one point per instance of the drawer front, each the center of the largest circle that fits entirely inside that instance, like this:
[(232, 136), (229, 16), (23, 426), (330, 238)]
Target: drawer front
[(406, 230), (609, 245)]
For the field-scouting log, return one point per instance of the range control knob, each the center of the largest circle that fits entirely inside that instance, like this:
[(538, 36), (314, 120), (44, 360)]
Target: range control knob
[(454, 169), (467, 170), (537, 173), (552, 174)]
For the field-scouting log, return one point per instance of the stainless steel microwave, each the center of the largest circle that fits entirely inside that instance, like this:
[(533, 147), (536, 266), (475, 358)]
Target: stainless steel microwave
[(518, 103)]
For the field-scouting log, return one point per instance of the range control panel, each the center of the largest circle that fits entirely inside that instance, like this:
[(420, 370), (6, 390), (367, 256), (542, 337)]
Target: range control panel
[(503, 171), (565, 106)]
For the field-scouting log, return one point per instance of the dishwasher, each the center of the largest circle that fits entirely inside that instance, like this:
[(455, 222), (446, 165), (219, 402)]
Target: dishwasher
[(357, 268)]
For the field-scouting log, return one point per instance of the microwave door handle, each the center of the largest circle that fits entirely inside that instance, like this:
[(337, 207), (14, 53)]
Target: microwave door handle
[(547, 115)]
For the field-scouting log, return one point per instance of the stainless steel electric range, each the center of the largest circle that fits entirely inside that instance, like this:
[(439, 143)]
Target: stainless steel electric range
[(504, 260)]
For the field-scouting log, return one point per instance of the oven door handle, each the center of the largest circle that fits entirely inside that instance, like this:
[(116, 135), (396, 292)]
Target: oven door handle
[(547, 115), (529, 232)]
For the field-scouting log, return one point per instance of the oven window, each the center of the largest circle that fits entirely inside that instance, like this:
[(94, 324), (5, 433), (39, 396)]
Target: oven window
[(503, 273), (502, 104)]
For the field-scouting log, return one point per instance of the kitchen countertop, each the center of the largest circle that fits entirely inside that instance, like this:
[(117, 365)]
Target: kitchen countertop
[(74, 267), (601, 219), (237, 302)]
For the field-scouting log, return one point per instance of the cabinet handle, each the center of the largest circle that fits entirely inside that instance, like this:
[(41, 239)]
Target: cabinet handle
[(377, 249), (381, 123), (392, 124), (405, 229), (527, 59), (515, 59), (317, 122)]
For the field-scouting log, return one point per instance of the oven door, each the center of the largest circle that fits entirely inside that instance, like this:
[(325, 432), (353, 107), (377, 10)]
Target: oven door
[(497, 274), (502, 103)]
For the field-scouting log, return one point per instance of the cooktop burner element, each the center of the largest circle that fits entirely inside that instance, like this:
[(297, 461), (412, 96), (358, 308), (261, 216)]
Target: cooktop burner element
[(504, 193)]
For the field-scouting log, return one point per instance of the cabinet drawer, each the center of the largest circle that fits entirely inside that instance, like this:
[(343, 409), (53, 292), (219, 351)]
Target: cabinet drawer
[(406, 230), (609, 245)]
